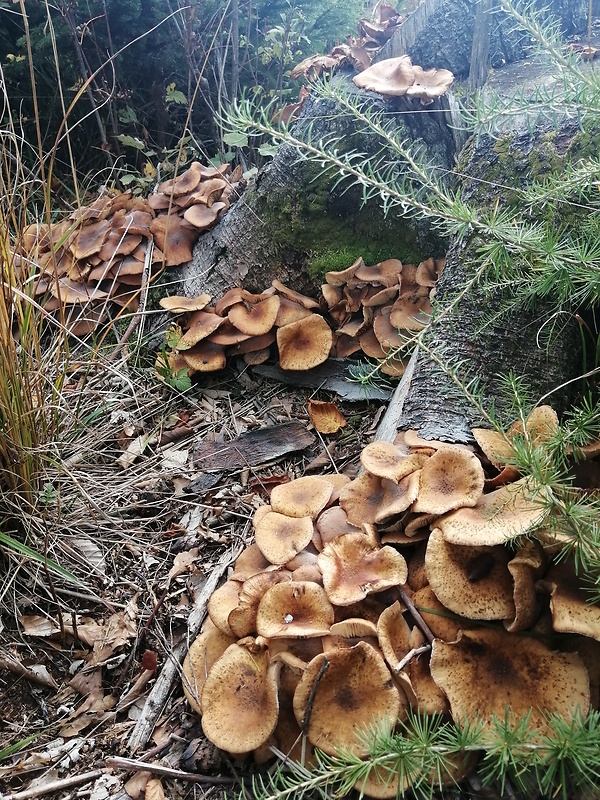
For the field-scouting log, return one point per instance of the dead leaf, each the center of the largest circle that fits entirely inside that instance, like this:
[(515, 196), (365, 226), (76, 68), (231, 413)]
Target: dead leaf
[(182, 563), (326, 417), (136, 785), (154, 790), (90, 552), (35, 625)]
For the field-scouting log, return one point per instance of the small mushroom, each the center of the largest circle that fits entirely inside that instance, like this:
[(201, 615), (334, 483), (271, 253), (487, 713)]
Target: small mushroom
[(204, 652), (304, 344), (391, 77), (303, 497), (294, 609), (280, 537), (353, 568), (255, 319), (349, 689), (239, 700)]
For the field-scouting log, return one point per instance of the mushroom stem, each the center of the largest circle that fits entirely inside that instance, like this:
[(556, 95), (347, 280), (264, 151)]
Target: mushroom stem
[(408, 603), (416, 651)]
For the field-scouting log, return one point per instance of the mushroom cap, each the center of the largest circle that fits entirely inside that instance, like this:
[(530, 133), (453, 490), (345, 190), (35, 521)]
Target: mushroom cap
[(250, 561), (526, 565), (201, 216), (391, 77), (294, 609), (343, 276), (571, 610), (205, 357), (355, 690), (178, 305), (255, 319), (204, 652), (495, 445), (302, 497), (174, 238), (187, 181), (290, 311), (353, 568), (487, 671), (222, 602), (451, 478), (361, 498), (242, 619), (387, 460), (89, 239), (455, 575), (304, 344), (497, 517), (412, 310), (385, 273), (296, 297), (330, 524), (442, 623), (204, 324), (393, 634), (429, 84), (239, 700), (280, 537)]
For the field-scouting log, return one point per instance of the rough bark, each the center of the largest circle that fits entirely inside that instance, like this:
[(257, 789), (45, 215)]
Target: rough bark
[(293, 217), (439, 33)]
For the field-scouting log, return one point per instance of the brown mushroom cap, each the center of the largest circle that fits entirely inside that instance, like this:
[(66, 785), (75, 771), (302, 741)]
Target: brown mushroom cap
[(222, 602), (487, 671), (174, 238), (205, 357), (501, 515), (255, 319), (242, 619), (525, 566), (429, 84), (571, 610), (179, 305), (294, 609), (353, 568), (204, 652), (239, 700), (343, 276), (304, 344), (441, 621), (201, 216), (296, 297), (205, 323), (186, 182), (354, 691), (250, 561), (473, 582), (495, 446), (451, 478), (388, 460), (280, 537), (330, 524), (393, 634), (391, 77), (302, 497), (89, 239)]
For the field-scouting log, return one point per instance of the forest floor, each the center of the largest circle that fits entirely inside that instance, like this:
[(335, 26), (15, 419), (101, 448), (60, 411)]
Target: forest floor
[(143, 533)]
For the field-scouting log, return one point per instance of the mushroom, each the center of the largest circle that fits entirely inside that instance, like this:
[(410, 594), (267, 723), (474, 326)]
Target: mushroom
[(242, 618), (201, 216), (174, 238), (204, 652), (205, 323), (391, 77), (486, 672), (571, 610), (239, 700), (280, 537), (473, 582), (387, 460), (429, 84), (294, 608), (501, 515), (525, 566), (255, 319), (302, 497), (89, 239), (179, 305), (353, 568), (205, 357), (347, 690), (304, 344)]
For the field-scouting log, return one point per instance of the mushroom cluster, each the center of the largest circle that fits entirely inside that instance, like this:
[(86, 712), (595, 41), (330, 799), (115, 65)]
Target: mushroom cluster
[(397, 77), (404, 587), (100, 252), (372, 309)]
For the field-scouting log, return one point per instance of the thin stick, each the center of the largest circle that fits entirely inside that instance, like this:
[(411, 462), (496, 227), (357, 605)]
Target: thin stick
[(416, 651), (404, 598), (8, 662), (161, 689), (132, 765), (56, 786), (309, 707)]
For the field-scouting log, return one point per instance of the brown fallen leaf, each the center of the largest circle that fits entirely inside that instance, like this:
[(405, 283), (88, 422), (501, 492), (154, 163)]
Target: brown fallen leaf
[(182, 563), (326, 417), (36, 625), (154, 790)]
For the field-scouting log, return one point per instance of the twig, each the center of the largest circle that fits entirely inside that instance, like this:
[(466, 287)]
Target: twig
[(416, 651), (131, 764), (309, 706), (404, 598), (161, 689), (56, 786)]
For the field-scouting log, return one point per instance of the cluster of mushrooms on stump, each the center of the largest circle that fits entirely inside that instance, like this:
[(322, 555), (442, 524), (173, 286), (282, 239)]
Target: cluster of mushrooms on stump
[(373, 309), (108, 250), (426, 582)]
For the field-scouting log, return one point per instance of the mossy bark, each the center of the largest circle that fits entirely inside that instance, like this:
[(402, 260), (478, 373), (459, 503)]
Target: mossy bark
[(469, 334), (294, 222)]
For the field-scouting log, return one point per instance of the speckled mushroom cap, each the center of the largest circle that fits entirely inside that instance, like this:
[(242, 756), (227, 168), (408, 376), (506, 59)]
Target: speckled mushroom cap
[(571, 610), (205, 323), (304, 344), (255, 319), (303, 497), (496, 518), (488, 670), (387, 460), (280, 537), (353, 568), (441, 621), (242, 618), (294, 608), (239, 700), (393, 634), (451, 478), (525, 566), (473, 582), (204, 652), (355, 689), (361, 498), (205, 357), (178, 304), (222, 601)]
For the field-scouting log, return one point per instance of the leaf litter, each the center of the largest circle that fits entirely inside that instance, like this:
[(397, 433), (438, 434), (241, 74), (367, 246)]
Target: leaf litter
[(142, 533)]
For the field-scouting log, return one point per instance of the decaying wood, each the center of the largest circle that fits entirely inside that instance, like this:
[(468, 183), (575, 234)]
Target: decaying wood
[(332, 376), (170, 671), (55, 786), (253, 447)]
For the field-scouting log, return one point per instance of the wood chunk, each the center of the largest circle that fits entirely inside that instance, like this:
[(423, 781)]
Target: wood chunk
[(333, 376), (253, 448)]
